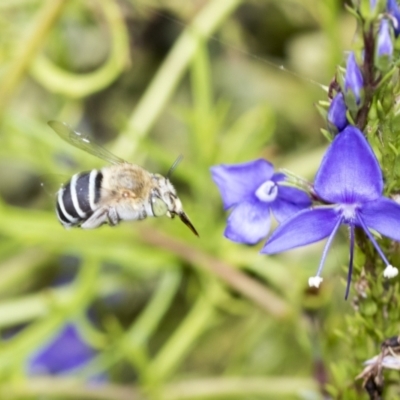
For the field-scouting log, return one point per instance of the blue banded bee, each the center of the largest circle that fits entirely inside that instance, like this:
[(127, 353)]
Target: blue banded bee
[(118, 192)]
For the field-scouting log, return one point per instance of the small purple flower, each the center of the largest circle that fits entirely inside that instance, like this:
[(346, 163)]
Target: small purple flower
[(372, 4), (385, 44), (253, 191), (337, 113), (350, 182), (394, 11), (353, 80), (66, 352)]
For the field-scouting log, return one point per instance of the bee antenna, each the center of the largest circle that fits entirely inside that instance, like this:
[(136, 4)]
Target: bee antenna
[(174, 165)]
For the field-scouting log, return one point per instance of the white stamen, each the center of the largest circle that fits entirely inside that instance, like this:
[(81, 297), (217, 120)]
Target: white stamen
[(314, 281), (267, 192), (348, 211), (390, 272)]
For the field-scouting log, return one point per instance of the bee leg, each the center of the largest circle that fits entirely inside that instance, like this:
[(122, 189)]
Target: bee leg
[(113, 217), (98, 218)]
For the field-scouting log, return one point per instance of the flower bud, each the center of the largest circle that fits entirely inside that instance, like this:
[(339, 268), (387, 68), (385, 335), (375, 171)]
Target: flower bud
[(353, 83), (337, 119), (384, 46)]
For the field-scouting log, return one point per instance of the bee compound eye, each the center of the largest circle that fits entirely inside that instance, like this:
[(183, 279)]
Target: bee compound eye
[(158, 206)]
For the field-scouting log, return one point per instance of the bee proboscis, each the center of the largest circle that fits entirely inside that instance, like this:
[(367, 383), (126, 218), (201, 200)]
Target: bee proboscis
[(118, 192)]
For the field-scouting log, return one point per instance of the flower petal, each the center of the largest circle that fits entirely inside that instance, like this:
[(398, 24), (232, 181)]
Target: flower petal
[(307, 226), (65, 352), (248, 223), (289, 201), (278, 177), (394, 11), (349, 172), (382, 215), (238, 182)]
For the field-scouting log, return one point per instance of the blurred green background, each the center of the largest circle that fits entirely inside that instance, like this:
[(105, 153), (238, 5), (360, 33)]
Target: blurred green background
[(171, 316)]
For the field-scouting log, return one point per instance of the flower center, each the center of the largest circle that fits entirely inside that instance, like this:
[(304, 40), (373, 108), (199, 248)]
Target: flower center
[(267, 192), (348, 212)]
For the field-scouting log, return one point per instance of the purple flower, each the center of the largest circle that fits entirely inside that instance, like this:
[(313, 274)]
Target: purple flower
[(66, 352), (372, 4), (253, 191), (353, 80), (350, 182), (385, 44), (337, 113), (393, 9)]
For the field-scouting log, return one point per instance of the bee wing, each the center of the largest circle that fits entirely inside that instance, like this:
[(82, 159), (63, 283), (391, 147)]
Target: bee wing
[(83, 142)]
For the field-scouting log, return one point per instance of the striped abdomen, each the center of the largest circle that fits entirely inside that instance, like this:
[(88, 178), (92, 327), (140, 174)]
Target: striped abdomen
[(77, 200)]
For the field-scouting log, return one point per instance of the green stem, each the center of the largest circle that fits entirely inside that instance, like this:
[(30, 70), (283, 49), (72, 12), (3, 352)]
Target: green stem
[(58, 80), (28, 48), (180, 342), (253, 290), (200, 389), (240, 387), (27, 308), (150, 318), (20, 267), (170, 73), (132, 343)]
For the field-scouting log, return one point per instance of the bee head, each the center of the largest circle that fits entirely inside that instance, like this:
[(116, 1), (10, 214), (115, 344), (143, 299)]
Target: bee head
[(164, 201)]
